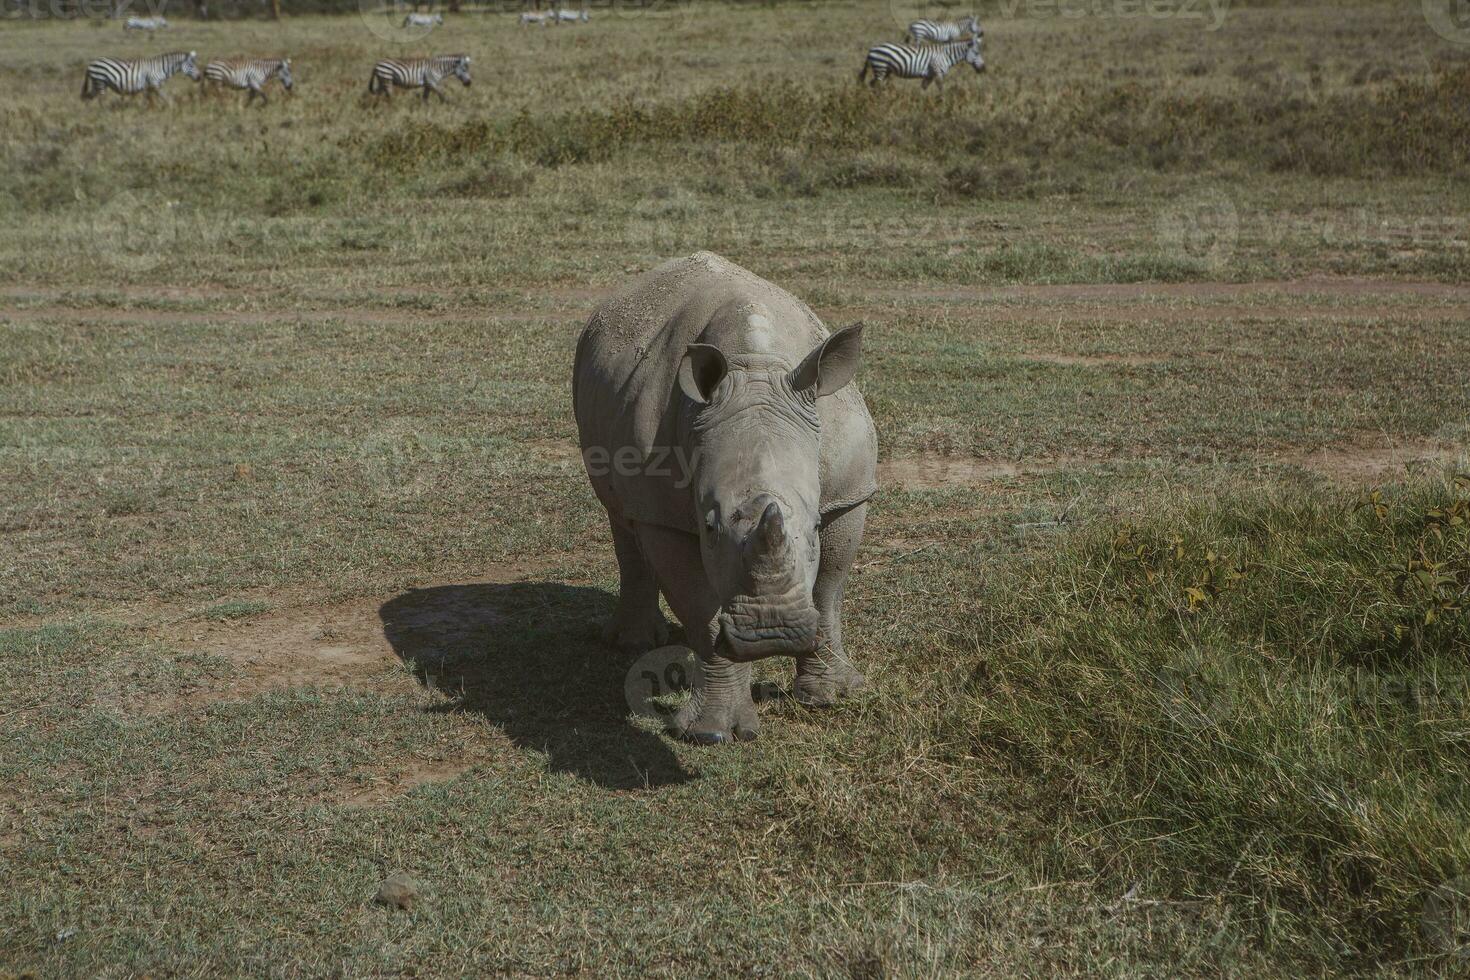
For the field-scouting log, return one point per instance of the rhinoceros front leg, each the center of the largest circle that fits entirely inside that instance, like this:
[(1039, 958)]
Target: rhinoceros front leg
[(720, 707), (637, 625), (827, 675)]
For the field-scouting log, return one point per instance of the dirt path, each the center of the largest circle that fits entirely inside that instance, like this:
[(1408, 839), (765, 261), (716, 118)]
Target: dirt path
[(1362, 462), (1025, 307), (89, 315), (1310, 288)]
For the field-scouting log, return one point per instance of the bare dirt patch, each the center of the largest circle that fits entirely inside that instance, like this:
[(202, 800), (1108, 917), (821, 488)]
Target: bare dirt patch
[(342, 646), (1369, 463), (385, 646), (935, 471), (1325, 286), (252, 318), (389, 786), (1360, 462)]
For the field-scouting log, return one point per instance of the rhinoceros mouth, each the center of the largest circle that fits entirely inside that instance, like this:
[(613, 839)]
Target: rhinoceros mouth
[(752, 627)]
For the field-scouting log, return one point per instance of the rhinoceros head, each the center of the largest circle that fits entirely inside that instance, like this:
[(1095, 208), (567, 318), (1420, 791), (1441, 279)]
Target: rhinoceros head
[(754, 447)]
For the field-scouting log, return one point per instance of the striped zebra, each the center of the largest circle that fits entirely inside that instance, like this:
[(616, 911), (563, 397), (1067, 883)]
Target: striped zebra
[(129, 77), (939, 31), (931, 62), (249, 73), (423, 20), (425, 73), (574, 16), (144, 23)]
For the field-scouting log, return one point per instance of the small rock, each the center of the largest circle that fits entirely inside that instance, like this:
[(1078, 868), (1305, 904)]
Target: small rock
[(64, 934), (398, 891)]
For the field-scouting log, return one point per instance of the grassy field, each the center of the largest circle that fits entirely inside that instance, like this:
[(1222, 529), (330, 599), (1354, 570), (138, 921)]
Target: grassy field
[(1163, 600)]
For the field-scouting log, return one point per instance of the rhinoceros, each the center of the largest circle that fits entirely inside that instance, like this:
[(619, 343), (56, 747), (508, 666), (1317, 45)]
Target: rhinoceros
[(721, 431)]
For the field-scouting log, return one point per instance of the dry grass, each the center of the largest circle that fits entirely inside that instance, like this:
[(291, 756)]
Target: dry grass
[(304, 577)]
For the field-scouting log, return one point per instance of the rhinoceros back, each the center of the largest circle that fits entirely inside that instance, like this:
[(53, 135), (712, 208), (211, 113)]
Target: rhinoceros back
[(626, 396)]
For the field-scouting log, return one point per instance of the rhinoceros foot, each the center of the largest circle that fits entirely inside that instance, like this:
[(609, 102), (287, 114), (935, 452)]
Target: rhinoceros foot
[(820, 685), (716, 724), (636, 635)]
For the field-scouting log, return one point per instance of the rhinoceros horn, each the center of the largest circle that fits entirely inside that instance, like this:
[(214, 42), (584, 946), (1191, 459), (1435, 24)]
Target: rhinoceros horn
[(780, 617), (770, 533)]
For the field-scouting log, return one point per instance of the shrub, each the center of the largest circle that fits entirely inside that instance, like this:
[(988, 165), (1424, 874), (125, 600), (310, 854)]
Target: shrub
[(1404, 127)]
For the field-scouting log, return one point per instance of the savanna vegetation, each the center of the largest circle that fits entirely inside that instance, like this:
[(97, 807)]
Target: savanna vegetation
[(1163, 601)]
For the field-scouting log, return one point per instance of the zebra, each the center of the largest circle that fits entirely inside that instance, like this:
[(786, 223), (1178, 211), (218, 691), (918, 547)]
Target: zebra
[(423, 20), (144, 23), (528, 18), (140, 75), (939, 31), (418, 72), (575, 16), (250, 73), (931, 62)]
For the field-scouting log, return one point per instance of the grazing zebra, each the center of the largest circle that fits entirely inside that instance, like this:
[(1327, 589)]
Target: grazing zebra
[(418, 72), (939, 31), (144, 23), (250, 73), (423, 20), (931, 62), (138, 75)]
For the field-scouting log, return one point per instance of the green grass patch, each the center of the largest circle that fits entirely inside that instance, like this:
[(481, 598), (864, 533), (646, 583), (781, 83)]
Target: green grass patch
[(1259, 702)]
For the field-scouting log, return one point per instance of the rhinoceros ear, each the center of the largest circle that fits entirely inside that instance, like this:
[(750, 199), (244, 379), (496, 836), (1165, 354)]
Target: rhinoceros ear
[(701, 371), (832, 364)]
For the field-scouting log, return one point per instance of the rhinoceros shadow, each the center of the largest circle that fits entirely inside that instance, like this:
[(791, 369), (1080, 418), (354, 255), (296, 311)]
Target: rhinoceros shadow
[(526, 656)]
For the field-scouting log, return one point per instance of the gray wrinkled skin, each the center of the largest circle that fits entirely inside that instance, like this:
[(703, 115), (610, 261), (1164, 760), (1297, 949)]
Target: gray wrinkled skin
[(735, 458)]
